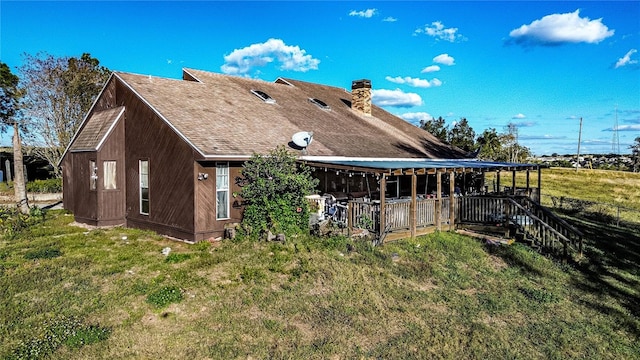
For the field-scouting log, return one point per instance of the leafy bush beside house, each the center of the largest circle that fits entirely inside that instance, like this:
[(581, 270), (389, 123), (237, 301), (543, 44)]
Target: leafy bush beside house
[(274, 187)]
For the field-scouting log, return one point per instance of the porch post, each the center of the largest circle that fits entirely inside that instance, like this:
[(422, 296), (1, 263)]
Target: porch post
[(412, 210), (513, 182), (539, 185), (528, 183), (498, 181), (452, 200), (383, 190), (438, 200)]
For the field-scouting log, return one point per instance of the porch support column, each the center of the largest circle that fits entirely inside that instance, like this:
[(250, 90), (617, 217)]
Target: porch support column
[(528, 183), (413, 210), (383, 190), (482, 182), (513, 182), (498, 181), (438, 200), (452, 199), (539, 185)]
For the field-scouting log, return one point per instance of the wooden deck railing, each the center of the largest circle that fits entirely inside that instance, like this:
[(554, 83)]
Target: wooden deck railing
[(518, 214), (397, 214), (535, 222)]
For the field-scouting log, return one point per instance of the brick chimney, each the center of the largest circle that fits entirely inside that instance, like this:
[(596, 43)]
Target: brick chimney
[(361, 96)]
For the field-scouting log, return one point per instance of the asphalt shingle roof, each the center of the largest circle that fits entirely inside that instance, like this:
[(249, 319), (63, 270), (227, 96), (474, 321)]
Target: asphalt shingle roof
[(220, 116), (95, 129)]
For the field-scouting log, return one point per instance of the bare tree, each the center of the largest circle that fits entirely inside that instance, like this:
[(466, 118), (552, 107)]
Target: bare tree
[(511, 141), (58, 94), (9, 105)]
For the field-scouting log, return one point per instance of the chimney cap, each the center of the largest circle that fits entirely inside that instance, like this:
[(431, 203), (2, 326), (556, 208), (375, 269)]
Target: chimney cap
[(359, 84)]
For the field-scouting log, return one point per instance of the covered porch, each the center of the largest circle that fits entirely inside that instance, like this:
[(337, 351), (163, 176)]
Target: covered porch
[(405, 198)]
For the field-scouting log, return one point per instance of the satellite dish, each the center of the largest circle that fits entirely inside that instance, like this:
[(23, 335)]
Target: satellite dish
[(302, 138)]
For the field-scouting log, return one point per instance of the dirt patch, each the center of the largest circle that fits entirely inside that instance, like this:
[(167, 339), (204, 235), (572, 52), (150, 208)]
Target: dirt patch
[(497, 263)]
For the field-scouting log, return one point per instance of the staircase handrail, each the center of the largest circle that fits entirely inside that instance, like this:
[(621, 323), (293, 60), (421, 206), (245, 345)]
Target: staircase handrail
[(537, 219), (552, 215)]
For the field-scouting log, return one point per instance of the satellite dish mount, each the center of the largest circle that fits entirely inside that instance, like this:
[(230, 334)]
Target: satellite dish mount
[(302, 140)]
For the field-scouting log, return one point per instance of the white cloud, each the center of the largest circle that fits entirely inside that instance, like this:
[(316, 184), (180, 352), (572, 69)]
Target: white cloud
[(415, 82), (444, 59), (624, 128), (439, 32), (395, 98), (241, 61), (518, 116), (389, 19), (415, 117), (626, 59), (364, 13), (431, 68), (541, 137), (556, 29)]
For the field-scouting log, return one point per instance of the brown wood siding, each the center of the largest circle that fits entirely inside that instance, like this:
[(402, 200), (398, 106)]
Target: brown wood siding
[(171, 182), (205, 200), (111, 203), (77, 196), (107, 99), (68, 183)]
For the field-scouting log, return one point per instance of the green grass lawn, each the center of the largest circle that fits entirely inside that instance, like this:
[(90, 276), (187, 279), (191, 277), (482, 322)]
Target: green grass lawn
[(71, 293)]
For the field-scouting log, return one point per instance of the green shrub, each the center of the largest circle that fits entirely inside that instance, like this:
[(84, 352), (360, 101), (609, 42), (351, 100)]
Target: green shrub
[(274, 187), (13, 222), (69, 331), (87, 335), (173, 258), (46, 253), (45, 186), (540, 296), (165, 296)]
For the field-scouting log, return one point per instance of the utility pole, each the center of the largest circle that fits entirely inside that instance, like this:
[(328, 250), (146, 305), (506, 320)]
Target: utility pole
[(579, 141)]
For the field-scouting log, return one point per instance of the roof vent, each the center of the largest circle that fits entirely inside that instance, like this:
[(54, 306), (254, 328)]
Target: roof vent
[(321, 104), (264, 96)]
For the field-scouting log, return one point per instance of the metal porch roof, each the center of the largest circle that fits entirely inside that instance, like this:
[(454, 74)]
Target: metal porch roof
[(391, 165)]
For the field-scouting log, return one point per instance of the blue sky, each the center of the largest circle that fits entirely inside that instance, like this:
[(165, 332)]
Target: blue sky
[(540, 65)]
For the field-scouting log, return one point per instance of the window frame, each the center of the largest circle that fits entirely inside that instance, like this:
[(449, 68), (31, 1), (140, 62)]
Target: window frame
[(223, 188), (113, 176), (140, 188), (93, 175)]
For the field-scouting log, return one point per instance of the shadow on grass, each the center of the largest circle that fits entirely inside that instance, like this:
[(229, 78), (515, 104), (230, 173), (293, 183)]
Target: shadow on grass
[(610, 268)]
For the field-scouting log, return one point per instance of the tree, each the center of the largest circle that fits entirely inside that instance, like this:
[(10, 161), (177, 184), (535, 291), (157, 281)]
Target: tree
[(510, 140), (58, 94), (9, 105), (436, 128), (462, 136), (274, 187), (635, 153), (490, 145)]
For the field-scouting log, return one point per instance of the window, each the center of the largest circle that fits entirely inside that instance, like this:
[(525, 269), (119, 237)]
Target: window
[(264, 96), (93, 175), (144, 187), (222, 191), (109, 168)]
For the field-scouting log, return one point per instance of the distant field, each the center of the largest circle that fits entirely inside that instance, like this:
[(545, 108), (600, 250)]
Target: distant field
[(604, 186)]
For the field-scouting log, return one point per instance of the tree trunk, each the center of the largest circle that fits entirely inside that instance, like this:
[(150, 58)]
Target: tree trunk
[(19, 186)]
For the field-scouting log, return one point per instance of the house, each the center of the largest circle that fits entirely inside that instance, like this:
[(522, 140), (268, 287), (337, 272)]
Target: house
[(164, 154)]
